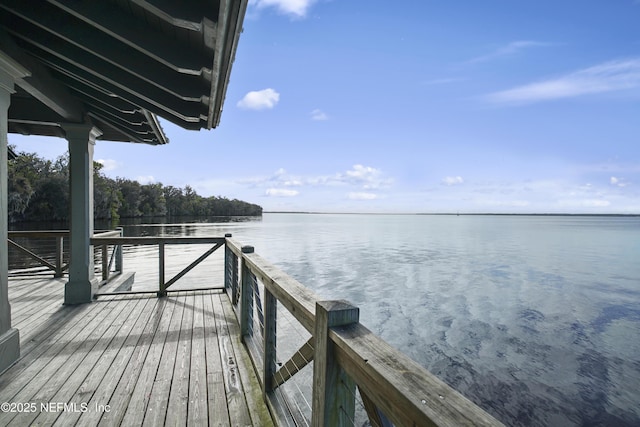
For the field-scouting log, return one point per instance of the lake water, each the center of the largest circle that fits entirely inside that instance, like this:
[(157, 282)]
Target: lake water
[(534, 318)]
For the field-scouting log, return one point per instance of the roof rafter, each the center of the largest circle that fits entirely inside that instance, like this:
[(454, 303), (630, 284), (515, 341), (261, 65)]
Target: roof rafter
[(99, 14), (78, 39), (41, 85)]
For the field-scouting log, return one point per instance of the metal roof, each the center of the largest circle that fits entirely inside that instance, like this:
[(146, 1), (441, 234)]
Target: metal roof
[(119, 63)]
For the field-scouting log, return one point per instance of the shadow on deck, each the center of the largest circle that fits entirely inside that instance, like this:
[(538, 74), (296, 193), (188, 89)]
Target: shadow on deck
[(128, 360)]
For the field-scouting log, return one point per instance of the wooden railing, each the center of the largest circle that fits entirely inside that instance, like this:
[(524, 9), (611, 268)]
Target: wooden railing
[(162, 242), (346, 356), (350, 372), (109, 263)]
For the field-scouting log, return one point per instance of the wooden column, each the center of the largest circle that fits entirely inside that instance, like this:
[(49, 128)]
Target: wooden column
[(333, 390), (10, 73), (82, 284)]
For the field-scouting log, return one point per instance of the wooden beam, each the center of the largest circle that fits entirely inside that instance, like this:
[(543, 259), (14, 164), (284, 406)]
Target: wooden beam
[(403, 390), (84, 44), (41, 85), (228, 34), (299, 300), (115, 81), (126, 29), (189, 18), (333, 390), (32, 110)]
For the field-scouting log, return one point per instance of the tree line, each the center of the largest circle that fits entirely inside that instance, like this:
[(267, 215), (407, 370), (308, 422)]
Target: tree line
[(38, 190)]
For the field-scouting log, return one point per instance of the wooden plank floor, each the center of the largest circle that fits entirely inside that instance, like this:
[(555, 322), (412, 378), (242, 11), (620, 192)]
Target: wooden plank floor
[(128, 360)]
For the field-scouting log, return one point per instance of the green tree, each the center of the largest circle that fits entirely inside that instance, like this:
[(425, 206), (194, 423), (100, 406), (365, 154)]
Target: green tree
[(39, 191), (152, 201), (131, 192), (107, 197)]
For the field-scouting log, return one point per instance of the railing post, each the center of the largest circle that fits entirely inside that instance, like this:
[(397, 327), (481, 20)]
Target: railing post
[(246, 290), (105, 262), (333, 390), (162, 292), (118, 249), (270, 316), (235, 294), (59, 256), (227, 264)]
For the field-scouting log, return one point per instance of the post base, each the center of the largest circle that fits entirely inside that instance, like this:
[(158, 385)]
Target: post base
[(80, 292), (9, 348)]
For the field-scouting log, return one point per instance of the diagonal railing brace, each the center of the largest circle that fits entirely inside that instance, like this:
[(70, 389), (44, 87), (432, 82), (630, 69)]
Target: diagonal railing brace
[(192, 266)]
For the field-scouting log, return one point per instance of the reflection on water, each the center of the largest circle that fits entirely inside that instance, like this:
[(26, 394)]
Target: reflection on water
[(536, 319)]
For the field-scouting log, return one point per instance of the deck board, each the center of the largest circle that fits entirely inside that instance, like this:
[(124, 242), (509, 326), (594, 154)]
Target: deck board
[(150, 361)]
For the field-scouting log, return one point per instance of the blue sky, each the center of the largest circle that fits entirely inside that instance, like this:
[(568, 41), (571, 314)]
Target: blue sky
[(416, 106)]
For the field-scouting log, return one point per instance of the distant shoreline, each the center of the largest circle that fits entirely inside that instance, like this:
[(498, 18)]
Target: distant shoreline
[(456, 214)]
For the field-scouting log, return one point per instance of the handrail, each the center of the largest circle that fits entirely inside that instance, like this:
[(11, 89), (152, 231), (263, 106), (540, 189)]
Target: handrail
[(151, 240), (394, 388), (59, 268)]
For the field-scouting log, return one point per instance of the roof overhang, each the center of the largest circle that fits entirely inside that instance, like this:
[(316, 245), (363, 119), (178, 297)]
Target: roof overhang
[(120, 63)]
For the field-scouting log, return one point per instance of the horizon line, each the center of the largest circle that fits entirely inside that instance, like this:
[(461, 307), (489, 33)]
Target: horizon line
[(453, 213)]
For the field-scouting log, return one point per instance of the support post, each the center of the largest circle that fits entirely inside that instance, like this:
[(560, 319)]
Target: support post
[(82, 284), (333, 390), (10, 73), (246, 290)]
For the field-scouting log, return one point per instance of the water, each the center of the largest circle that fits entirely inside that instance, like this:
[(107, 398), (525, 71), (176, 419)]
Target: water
[(534, 318)]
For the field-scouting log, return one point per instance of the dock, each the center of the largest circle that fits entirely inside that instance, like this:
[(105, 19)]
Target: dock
[(244, 344), (128, 360)]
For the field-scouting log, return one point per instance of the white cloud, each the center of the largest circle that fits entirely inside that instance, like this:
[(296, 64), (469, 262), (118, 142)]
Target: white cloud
[(504, 203), (319, 115), (146, 179), (359, 178), (281, 192), (606, 77), (510, 49), (108, 164), (583, 203), (366, 176), (295, 8), (362, 196), (597, 203), (260, 99), (452, 180), (618, 182)]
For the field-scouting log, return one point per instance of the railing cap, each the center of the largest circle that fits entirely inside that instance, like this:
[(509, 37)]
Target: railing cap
[(247, 249)]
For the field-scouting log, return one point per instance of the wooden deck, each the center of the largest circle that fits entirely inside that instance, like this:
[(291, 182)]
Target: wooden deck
[(128, 360)]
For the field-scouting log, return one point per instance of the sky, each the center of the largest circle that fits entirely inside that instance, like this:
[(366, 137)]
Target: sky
[(422, 106)]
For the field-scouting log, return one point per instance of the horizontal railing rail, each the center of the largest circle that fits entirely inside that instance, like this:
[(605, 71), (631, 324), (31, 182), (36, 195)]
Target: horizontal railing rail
[(57, 265), (346, 356)]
